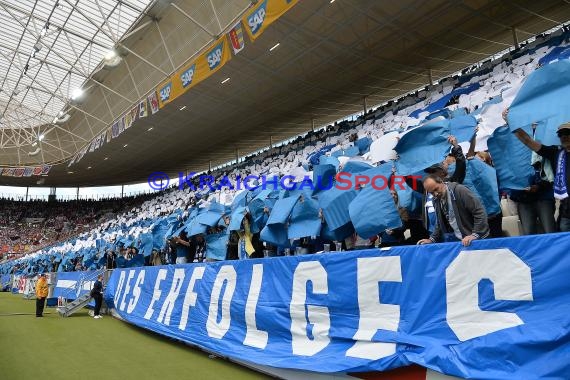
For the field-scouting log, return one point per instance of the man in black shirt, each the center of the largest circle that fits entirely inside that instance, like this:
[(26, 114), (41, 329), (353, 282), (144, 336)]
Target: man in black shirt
[(560, 160)]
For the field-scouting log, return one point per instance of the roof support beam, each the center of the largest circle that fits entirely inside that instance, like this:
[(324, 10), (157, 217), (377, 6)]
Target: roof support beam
[(214, 36)]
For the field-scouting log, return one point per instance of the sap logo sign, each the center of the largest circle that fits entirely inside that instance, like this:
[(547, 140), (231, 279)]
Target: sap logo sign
[(165, 92), (255, 21), (188, 76), (215, 57)]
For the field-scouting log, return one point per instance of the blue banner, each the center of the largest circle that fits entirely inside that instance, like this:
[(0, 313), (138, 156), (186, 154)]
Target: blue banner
[(495, 310), (70, 285)]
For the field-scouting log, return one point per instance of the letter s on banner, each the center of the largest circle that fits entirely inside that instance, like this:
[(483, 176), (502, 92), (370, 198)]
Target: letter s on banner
[(373, 314), (318, 315), (512, 281), (136, 292)]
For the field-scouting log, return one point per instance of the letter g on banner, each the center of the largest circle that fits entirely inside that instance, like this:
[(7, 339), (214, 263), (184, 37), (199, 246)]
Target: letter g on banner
[(511, 279)]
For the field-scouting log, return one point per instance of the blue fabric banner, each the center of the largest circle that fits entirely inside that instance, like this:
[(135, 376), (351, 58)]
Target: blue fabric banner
[(422, 147), (495, 310), (511, 159), (543, 99)]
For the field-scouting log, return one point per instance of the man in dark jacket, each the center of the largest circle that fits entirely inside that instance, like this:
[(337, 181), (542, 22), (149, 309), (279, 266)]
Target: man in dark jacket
[(97, 295), (460, 214), (440, 169)]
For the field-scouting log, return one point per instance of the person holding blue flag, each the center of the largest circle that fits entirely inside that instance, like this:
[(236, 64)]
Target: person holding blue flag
[(560, 160)]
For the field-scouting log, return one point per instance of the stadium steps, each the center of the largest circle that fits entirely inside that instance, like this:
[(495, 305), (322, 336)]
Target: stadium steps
[(81, 301), (72, 307)]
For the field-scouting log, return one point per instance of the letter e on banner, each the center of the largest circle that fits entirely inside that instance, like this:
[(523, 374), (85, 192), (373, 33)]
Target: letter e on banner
[(375, 315)]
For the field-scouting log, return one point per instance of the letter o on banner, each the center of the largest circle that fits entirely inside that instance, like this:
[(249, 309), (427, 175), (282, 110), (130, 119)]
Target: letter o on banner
[(218, 329)]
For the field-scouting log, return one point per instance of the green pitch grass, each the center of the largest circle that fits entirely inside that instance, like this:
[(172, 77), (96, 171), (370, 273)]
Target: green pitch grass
[(82, 348)]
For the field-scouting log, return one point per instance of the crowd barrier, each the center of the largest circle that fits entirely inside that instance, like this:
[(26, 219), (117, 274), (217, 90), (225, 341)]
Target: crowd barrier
[(495, 310)]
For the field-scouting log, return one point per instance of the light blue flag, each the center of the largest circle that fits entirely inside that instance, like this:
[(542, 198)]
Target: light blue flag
[(282, 210), (334, 203), (146, 244), (422, 147), (275, 231), (326, 160), (236, 218), (354, 167), (463, 127), (481, 179), (304, 219), (543, 99), (363, 145), (217, 246), (511, 159), (373, 210), (323, 177)]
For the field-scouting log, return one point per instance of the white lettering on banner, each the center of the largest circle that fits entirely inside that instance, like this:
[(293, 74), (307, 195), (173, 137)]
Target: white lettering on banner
[(255, 21), (187, 76), (375, 315), (118, 290), (165, 92), (191, 296), (156, 294), (318, 315), (512, 281), (217, 330), (254, 337), (127, 289), (215, 57), (136, 292), (168, 304)]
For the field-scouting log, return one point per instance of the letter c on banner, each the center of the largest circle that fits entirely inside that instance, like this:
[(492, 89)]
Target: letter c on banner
[(215, 329), (318, 315), (512, 281)]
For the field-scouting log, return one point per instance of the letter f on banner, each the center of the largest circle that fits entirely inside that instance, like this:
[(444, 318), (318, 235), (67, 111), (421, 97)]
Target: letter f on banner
[(512, 281)]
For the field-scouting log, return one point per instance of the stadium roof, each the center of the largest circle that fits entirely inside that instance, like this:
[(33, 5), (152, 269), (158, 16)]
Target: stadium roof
[(331, 56)]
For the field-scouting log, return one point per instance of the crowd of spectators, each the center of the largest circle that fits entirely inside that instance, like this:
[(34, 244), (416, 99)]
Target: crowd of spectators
[(444, 209)]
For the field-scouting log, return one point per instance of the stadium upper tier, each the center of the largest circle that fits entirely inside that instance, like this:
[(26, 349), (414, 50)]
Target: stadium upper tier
[(456, 105)]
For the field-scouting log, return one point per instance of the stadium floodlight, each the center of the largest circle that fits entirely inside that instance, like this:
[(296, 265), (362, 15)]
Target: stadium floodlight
[(41, 137), (76, 94), (112, 58)]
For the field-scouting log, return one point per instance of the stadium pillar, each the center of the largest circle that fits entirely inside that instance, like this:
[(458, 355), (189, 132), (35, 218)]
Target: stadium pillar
[(270, 142), (210, 165), (237, 156), (430, 75), (515, 39), (313, 125), (364, 105), (123, 190), (27, 190), (77, 194)]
